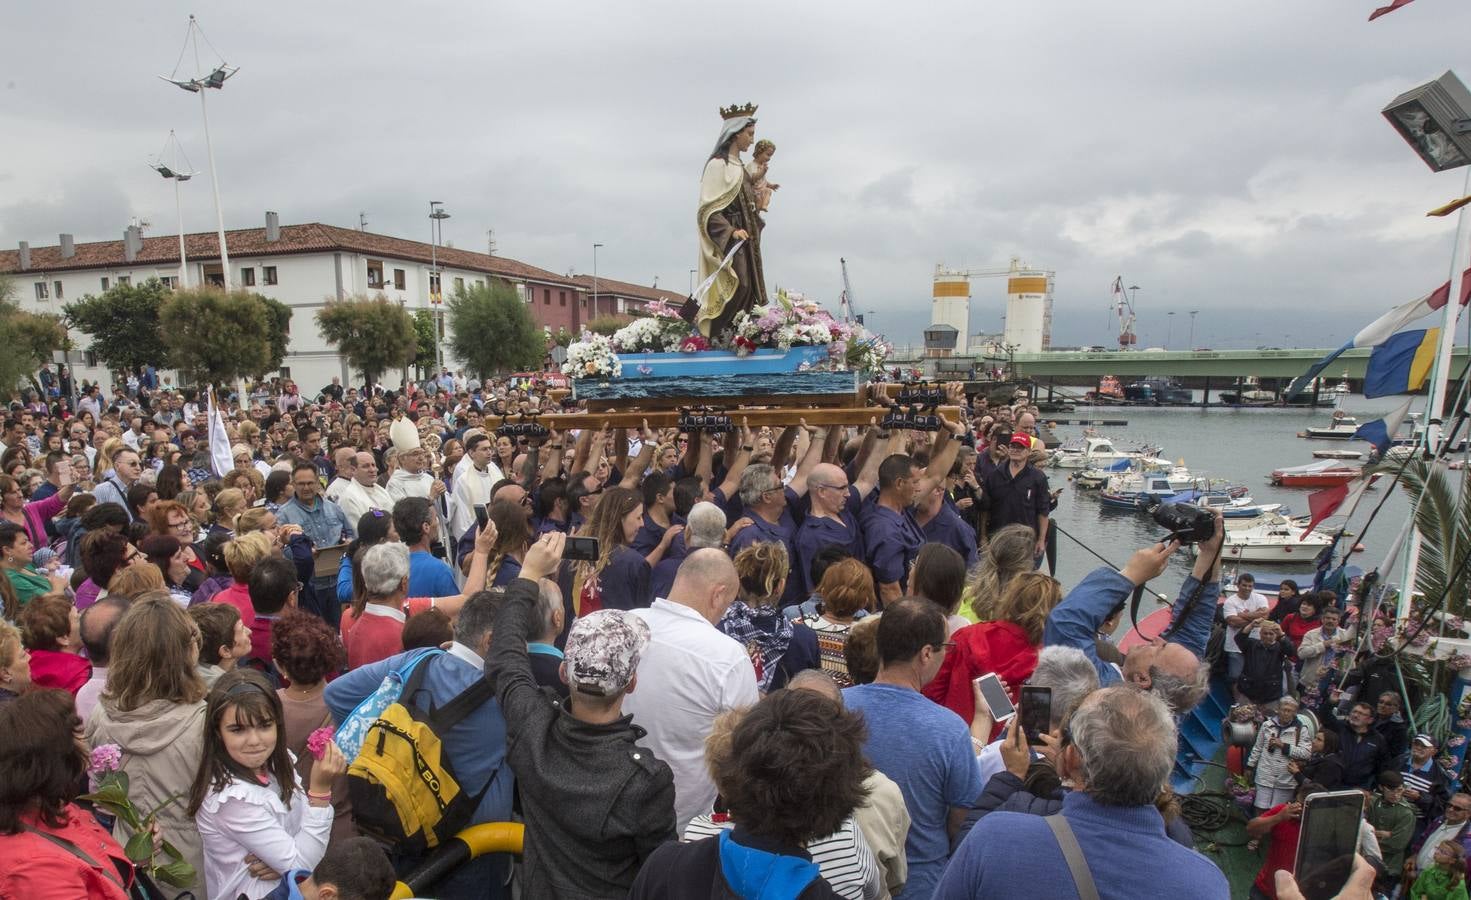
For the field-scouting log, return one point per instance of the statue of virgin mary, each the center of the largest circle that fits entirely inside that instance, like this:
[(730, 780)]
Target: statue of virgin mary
[(728, 213)]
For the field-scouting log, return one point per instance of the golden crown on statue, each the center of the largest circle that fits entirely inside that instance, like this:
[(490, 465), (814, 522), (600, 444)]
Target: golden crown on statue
[(736, 112)]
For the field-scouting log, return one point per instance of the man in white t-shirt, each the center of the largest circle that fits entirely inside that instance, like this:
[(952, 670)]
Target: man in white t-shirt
[(1243, 609)]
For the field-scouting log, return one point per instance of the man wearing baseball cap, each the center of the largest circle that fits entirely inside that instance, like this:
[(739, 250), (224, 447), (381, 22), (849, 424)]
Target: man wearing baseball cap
[(1016, 493), (596, 802), (1427, 785)]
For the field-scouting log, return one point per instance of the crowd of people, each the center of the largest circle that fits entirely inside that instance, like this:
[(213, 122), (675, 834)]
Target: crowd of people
[(382, 623)]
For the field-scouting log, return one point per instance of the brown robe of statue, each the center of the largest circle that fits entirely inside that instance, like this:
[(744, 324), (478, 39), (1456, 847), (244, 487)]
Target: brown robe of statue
[(740, 214)]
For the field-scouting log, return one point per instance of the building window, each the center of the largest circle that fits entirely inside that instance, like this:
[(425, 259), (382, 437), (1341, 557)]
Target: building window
[(480, 282), (105, 283), (247, 277), (43, 290), (268, 274), (546, 296), (375, 273), (59, 294), (459, 285), (400, 280), (434, 287), (90, 358), (169, 281), (562, 296), (124, 280)]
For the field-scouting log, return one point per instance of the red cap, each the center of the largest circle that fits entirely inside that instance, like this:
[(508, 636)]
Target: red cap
[(1019, 439)]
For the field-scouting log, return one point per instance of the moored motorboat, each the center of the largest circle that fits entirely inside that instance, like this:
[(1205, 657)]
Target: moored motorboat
[(1340, 428), (1273, 538), (1094, 451)]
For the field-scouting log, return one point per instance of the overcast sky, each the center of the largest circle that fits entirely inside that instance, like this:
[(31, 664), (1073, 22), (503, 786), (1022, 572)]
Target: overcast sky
[(1226, 158)]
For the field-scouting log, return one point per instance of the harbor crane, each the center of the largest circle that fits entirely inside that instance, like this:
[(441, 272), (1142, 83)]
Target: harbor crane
[(1123, 306)]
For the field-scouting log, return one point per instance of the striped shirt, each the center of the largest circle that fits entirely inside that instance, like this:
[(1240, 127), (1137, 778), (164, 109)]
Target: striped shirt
[(843, 858)]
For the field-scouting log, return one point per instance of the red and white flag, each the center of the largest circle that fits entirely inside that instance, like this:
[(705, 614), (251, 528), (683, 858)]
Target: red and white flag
[(1385, 10), (1325, 503)]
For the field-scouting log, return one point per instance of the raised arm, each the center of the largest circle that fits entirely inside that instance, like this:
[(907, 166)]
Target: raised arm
[(551, 467), (1075, 621), (1190, 625), (633, 473), (810, 459), (783, 449), (735, 467)]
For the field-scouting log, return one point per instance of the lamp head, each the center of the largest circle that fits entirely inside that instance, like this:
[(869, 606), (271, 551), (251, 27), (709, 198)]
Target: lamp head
[(1435, 119)]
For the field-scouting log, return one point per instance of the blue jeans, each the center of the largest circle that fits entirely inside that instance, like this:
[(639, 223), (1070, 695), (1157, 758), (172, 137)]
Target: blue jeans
[(1234, 664)]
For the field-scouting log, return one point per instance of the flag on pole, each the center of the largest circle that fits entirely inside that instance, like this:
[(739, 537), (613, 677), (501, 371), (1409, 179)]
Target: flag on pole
[(1382, 328), (1450, 207), (1401, 364), (1325, 503), (1385, 10), (1381, 432), (219, 440)]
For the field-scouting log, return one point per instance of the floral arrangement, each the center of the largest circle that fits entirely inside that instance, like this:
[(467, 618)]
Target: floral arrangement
[(651, 334), (592, 356), (1241, 790), (109, 785)]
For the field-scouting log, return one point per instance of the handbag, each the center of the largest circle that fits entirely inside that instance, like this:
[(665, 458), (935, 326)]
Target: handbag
[(1073, 853)]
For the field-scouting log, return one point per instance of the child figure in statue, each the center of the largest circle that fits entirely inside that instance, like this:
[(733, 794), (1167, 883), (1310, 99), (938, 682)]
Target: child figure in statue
[(756, 171)]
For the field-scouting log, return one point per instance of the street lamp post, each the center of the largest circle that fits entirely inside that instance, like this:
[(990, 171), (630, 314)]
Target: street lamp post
[(595, 280), (437, 215), (1170, 329), (214, 80), (1193, 314), (167, 171)]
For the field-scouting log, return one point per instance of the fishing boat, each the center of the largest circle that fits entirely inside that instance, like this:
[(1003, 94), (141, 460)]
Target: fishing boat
[(1158, 392), (1108, 391), (1339, 428), (1251, 394), (1272, 538), (1094, 451), (1323, 473)]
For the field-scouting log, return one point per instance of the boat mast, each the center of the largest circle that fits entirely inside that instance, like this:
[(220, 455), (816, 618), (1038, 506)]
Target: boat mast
[(1435, 398)]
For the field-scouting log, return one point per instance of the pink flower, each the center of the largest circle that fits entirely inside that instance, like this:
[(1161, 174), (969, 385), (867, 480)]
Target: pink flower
[(318, 740), (105, 758)]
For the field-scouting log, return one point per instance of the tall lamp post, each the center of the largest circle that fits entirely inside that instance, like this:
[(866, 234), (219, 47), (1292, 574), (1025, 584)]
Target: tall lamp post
[(213, 80), (437, 215), (1170, 329), (1435, 119), (1193, 314), (167, 171), (594, 313)]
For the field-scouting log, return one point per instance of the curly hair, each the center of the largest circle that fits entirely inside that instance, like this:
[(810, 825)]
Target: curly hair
[(763, 146), (763, 569), (1008, 554), (1027, 601), (305, 647), (846, 587), (45, 621), (793, 767), (41, 765)]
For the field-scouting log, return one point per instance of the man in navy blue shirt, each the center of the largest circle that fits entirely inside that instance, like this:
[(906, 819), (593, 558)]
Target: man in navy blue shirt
[(1016, 493), (942, 524), (768, 506), (831, 520)]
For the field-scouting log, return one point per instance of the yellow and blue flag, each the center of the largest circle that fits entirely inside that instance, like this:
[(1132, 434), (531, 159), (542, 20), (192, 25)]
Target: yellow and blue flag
[(1401, 364)]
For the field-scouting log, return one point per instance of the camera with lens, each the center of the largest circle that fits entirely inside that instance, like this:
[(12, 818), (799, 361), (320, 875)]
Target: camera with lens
[(1185, 523)]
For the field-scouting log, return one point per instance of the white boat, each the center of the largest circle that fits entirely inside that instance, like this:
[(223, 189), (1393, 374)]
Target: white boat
[(1338, 454), (1177, 479), (1340, 428), (1273, 538), (1093, 451)]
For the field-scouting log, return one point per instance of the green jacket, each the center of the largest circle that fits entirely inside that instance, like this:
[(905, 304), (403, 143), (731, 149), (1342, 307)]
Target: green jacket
[(1399, 820), (1435, 884)]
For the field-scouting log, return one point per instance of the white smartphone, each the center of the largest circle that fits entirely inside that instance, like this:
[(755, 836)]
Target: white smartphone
[(995, 696)]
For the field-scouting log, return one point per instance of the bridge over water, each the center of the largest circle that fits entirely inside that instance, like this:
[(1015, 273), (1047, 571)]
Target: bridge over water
[(1222, 364)]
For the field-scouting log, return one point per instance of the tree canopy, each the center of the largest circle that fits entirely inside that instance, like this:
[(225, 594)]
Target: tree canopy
[(374, 334), (29, 340), (123, 324), (492, 330), (424, 334), (215, 337)]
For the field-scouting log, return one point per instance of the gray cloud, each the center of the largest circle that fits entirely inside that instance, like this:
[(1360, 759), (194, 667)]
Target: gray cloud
[(1229, 159)]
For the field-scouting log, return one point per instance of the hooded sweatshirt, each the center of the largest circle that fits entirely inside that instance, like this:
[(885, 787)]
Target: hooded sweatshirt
[(736, 865), (162, 743)]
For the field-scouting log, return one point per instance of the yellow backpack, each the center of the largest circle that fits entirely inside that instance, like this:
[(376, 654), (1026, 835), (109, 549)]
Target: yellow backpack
[(403, 787)]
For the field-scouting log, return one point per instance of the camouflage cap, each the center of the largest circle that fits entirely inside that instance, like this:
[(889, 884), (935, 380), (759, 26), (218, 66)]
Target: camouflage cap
[(603, 650)]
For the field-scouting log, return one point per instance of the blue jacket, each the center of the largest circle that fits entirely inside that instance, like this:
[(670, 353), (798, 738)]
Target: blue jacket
[(325, 523), (476, 746), (1126, 848), (1075, 621)]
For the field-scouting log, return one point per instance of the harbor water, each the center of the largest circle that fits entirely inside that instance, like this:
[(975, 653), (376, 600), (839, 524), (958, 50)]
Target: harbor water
[(1242, 445)]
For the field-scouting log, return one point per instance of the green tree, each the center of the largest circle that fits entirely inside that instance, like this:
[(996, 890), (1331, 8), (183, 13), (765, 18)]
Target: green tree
[(563, 337), (374, 334), (214, 337), (123, 324), (606, 325), (278, 317), (425, 350), (492, 330), (29, 340)]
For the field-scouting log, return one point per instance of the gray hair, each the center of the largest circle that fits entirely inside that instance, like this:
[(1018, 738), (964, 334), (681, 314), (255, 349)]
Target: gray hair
[(385, 566), (818, 681), (1126, 741), (1067, 671), (755, 481), (477, 617), (1180, 694), (705, 526), (549, 604)]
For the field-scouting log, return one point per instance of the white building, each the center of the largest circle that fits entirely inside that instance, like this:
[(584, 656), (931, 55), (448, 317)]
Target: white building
[(302, 266)]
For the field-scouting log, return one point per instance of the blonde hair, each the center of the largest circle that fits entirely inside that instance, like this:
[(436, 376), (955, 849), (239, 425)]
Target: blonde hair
[(244, 552), (10, 642), (763, 569), (153, 656), (136, 580), (1008, 554), (229, 504), (1027, 601), (108, 450), (251, 521)]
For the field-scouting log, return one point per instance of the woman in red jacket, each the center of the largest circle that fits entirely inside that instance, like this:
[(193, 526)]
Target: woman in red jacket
[(1007, 646), (51, 627), (50, 848)]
